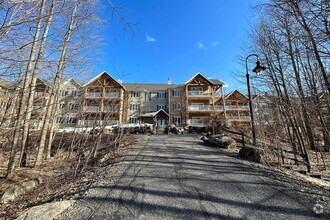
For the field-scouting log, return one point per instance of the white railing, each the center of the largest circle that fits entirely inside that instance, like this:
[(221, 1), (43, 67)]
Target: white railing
[(111, 108), (205, 108), (198, 93), (237, 107), (93, 95), (240, 118), (39, 94), (112, 95), (92, 108), (245, 118)]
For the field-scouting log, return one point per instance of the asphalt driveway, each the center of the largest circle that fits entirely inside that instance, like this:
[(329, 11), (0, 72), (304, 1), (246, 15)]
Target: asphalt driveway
[(177, 177)]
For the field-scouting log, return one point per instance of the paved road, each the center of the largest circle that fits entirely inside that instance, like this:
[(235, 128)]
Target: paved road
[(177, 177)]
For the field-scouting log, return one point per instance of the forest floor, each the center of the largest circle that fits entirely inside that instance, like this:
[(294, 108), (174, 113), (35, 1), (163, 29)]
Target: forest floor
[(57, 179)]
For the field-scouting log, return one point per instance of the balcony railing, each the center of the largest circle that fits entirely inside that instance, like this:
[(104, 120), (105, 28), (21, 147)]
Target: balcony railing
[(240, 118), (93, 95), (111, 108), (92, 108), (237, 107), (99, 95), (205, 108), (40, 94), (198, 93), (112, 95)]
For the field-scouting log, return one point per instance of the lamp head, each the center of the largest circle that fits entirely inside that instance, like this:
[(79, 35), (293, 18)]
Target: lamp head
[(259, 68)]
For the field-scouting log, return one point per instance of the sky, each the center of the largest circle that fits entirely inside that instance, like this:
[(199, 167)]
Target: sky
[(176, 39)]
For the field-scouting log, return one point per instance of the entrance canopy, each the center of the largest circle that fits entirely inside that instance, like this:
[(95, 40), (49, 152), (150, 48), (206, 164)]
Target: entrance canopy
[(159, 116)]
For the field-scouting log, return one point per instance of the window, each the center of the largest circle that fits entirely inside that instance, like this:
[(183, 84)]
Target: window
[(3, 105), (148, 96), (199, 89), (74, 93), (176, 106), (134, 94), (161, 95), (134, 107), (74, 106), (196, 91), (63, 92), (71, 120), (133, 120), (58, 120), (161, 106), (177, 119), (176, 93), (61, 106)]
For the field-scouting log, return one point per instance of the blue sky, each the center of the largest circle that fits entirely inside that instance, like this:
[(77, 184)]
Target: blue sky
[(177, 38)]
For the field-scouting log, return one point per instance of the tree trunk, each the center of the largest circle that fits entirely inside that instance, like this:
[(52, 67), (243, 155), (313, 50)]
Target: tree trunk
[(34, 81), (13, 159), (60, 69)]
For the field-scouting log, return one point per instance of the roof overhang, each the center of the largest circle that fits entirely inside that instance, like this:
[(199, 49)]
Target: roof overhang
[(201, 75), (153, 114), (104, 72)]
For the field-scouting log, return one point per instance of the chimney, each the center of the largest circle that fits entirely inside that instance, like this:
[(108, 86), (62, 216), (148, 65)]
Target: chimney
[(169, 81), (120, 81)]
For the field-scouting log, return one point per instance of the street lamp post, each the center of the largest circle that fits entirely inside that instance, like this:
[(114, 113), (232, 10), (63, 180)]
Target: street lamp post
[(258, 70)]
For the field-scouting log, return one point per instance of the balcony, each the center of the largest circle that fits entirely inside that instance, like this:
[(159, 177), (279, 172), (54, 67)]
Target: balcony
[(238, 118), (92, 108), (39, 94), (93, 95), (111, 108), (205, 108), (114, 95), (237, 107), (199, 93)]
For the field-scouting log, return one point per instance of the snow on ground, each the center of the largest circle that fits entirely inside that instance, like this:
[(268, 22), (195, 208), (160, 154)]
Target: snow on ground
[(107, 128)]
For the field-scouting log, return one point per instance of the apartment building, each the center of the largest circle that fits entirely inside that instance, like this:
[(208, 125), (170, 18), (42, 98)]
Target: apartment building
[(9, 100), (263, 110), (102, 101), (41, 94), (69, 104), (177, 105), (5, 99), (237, 110), (148, 103), (203, 97), (105, 101)]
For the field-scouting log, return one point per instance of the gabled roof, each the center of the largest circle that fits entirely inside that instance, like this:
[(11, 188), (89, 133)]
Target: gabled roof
[(44, 81), (153, 114), (201, 75), (217, 82), (232, 92), (5, 83), (261, 96), (72, 80), (104, 72)]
